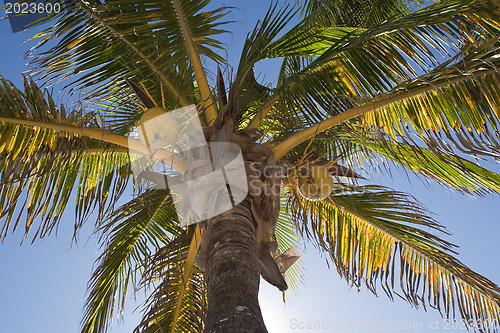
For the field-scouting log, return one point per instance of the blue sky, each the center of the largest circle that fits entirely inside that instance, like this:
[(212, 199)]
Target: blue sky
[(42, 286)]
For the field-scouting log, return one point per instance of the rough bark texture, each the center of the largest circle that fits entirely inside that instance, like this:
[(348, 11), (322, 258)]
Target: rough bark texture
[(233, 273)]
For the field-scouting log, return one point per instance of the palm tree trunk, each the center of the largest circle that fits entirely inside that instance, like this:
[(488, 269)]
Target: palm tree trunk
[(233, 273)]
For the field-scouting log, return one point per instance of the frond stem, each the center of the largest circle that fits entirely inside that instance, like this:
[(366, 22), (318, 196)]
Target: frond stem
[(201, 77), (284, 147), (182, 99), (188, 268), (263, 111), (172, 159)]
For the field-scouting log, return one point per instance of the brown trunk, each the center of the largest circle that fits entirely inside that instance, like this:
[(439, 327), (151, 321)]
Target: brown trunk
[(233, 273)]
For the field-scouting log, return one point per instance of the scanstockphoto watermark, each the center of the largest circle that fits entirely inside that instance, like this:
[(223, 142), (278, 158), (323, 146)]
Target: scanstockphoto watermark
[(388, 325), (213, 177), (211, 172)]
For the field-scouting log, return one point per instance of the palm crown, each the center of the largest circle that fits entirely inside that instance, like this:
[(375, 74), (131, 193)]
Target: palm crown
[(411, 83)]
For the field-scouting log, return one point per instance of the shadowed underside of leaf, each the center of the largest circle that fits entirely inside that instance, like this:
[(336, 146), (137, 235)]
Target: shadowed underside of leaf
[(356, 13)]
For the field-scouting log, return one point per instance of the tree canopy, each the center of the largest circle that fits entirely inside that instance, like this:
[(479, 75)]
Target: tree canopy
[(410, 83)]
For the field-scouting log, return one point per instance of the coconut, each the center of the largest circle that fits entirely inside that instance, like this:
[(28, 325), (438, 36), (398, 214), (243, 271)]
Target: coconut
[(314, 182), (157, 128)]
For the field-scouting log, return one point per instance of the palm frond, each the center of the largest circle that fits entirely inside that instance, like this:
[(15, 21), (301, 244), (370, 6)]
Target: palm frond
[(309, 42), (181, 9), (130, 235), (167, 266), (286, 234), (99, 44), (366, 63), (458, 101), (443, 166), (119, 116), (374, 234), (439, 100), (41, 168), (246, 89), (356, 13), (451, 27)]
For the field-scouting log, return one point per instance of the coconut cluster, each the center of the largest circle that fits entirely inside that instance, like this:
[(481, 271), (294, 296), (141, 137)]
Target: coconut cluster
[(313, 182)]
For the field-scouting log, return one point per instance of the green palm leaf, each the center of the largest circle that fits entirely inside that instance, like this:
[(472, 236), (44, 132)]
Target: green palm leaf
[(356, 148), (366, 63), (463, 107), (246, 89), (167, 267), (356, 13), (132, 233), (41, 167), (445, 167), (99, 44), (439, 100), (370, 230), (287, 235)]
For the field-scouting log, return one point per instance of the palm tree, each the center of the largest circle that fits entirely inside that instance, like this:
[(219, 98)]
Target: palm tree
[(410, 83)]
